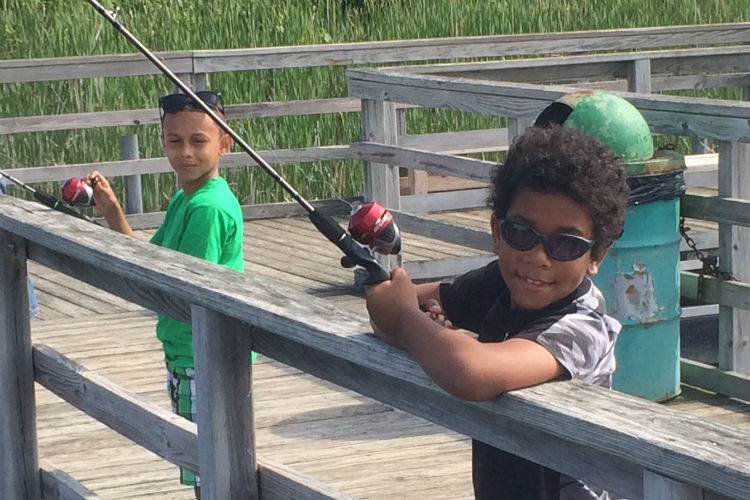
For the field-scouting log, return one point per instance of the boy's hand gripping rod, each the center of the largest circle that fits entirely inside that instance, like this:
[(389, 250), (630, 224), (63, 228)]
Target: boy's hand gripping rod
[(355, 253), (47, 199)]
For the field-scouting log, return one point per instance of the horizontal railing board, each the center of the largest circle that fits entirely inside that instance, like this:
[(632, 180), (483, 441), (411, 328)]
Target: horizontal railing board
[(450, 142), (327, 341), (723, 210), (723, 120), (435, 163), (158, 430), (58, 485), (715, 290), (726, 59), (437, 269), (74, 68), (711, 378), (466, 47), (77, 121), (479, 239), (332, 206), (25, 70)]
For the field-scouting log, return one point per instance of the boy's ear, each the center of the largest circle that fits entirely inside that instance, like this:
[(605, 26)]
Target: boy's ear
[(593, 267), (495, 227), (225, 143)]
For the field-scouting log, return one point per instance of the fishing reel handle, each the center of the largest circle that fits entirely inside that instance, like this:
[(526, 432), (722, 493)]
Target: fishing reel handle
[(354, 253)]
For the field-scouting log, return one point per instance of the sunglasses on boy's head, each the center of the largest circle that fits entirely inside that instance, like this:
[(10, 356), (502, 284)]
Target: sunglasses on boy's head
[(174, 103), (563, 247)]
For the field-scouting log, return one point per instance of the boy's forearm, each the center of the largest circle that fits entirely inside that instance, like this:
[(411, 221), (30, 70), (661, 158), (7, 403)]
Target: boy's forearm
[(444, 354), (117, 222)]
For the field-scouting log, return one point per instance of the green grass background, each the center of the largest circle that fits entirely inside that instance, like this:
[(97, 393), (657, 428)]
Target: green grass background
[(54, 28)]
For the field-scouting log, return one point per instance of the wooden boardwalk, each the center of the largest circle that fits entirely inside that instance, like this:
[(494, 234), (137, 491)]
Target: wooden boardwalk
[(360, 446)]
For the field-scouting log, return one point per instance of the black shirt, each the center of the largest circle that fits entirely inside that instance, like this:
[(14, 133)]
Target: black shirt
[(575, 331)]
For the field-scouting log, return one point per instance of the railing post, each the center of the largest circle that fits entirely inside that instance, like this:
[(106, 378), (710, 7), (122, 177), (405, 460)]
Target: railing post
[(658, 487), (133, 189), (416, 180), (734, 241), (381, 181), (639, 76), (19, 458), (223, 378), (517, 126)]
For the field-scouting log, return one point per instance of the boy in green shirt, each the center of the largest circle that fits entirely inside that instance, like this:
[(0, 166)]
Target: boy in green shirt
[(203, 219)]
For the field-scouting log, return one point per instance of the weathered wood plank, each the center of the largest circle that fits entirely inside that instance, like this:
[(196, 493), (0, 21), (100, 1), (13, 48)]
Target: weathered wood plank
[(582, 67), (77, 121), (639, 76), (74, 68), (451, 200), (722, 120), (58, 485), (448, 142), (223, 378), (254, 212), (444, 231), (19, 457), (465, 47), (456, 143), (436, 163), (658, 487), (161, 165), (723, 210), (437, 269), (381, 180), (517, 125), (734, 242), (715, 290), (133, 190), (603, 427), (158, 430), (728, 383), (165, 434)]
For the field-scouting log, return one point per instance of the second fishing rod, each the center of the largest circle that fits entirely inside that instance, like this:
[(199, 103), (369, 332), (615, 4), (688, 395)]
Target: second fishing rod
[(373, 225)]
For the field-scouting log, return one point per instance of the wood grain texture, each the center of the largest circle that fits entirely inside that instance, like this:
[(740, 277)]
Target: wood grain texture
[(58, 485), (658, 487), (19, 457), (665, 114), (711, 378), (436, 163), (329, 342), (734, 242), (223, 378)]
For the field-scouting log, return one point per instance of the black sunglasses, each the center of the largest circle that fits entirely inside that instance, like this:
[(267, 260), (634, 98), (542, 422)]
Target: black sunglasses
[(563, 247), (174, 103)]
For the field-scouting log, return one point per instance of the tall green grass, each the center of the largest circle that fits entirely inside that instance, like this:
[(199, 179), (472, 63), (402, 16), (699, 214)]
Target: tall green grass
[(54, 28)]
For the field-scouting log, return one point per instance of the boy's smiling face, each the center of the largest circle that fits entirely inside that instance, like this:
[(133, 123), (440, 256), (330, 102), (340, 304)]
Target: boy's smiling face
[(193, 143), (535, 280)]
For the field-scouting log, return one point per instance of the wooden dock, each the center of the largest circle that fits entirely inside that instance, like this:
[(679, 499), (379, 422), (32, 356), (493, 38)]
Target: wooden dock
[(363, 447)]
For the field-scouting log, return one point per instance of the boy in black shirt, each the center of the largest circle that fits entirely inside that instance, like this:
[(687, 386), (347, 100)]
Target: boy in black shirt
[(559, 203)]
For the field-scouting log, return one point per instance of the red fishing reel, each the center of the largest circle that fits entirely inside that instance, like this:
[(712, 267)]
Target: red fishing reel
[(78, 192), (372, 225)]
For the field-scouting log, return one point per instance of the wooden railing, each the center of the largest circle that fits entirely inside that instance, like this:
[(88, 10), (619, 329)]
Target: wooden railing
[(672, 70), (725, 121), (633, 447)]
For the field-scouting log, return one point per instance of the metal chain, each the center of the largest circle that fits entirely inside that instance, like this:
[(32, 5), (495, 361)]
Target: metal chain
[(710, 262)]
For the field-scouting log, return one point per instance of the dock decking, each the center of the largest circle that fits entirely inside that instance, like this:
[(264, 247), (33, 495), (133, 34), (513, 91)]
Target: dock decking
[(358, 445)]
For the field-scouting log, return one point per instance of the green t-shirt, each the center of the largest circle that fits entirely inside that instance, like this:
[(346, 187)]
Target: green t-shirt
[(206, 224)]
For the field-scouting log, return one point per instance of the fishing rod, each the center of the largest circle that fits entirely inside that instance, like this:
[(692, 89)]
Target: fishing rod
[(374, 225), (47, 199)]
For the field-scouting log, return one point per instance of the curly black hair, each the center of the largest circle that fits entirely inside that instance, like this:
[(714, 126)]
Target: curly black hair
[(567, 161)]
